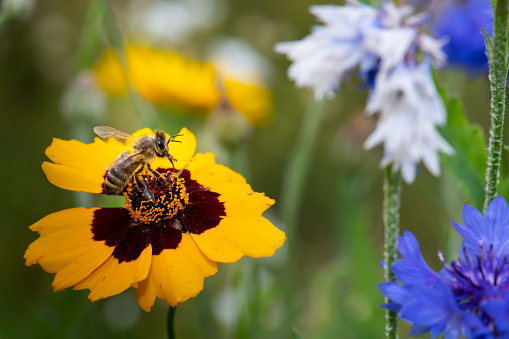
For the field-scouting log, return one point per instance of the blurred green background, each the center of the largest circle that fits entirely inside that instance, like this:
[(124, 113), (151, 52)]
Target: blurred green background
[(340, 231)]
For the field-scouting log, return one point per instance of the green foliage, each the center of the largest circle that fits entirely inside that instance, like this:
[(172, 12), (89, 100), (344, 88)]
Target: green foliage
[(468, 163), (489, 44), (503, 186), (296, 334)]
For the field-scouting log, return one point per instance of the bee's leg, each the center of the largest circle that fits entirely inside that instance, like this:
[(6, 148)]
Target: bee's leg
[(157, 175), (142, 187)]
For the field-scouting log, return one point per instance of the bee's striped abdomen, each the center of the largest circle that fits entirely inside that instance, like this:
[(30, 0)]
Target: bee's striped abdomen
[(117, 179)]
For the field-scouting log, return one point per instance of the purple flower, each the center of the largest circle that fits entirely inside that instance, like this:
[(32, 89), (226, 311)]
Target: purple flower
[(470, 296)]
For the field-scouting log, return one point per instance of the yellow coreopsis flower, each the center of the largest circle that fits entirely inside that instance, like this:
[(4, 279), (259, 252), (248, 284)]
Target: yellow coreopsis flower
[(203, 213), (166, 78)]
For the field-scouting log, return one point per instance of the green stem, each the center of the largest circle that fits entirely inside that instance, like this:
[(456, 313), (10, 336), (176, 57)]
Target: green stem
[(170, 322), (144, 109), (294, 184), (498, 76), (112, 30), (392, 202), (89, 39), (297, 172)]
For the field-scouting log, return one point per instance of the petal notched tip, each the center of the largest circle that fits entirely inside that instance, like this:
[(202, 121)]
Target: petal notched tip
[(114, 277), (235, 237)]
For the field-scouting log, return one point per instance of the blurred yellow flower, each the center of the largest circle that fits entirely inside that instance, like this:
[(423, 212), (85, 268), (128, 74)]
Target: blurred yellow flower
[(168, 79)]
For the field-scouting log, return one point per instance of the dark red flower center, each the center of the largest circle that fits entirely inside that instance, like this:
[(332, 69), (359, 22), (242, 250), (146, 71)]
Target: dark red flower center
[(181, 206)]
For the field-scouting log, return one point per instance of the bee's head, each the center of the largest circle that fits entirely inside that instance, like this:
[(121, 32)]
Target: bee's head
[(160, 144)]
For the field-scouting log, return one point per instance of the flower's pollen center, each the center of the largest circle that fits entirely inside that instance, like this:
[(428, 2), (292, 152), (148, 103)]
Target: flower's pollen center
[(169, 199), (477, 277)]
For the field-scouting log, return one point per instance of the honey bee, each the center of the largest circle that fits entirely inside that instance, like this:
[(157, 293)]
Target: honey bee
[(130, 165)]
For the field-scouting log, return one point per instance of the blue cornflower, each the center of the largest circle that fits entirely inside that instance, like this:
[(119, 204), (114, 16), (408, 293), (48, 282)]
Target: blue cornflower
[(470, 296), (461, 22)]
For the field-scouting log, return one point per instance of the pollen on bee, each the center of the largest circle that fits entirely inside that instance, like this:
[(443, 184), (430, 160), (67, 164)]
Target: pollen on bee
[(168, 200)]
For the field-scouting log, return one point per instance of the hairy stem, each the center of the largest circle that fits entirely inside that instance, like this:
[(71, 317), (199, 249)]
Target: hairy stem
[(498, 76), (392, 202)]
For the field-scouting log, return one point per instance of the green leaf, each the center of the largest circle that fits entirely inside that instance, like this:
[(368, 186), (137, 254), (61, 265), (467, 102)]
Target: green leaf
[(468, 163), (489, 44), (296, 333)]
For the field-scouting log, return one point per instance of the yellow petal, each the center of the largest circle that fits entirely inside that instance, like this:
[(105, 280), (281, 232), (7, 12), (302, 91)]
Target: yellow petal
[(66, 246), (204, 169), (67, 178), (146, 292), (254, 101), (113, 277), (82, 266), (175, 275), (200, 163), (235, 237), (143, 131), (78, 166), (250, 204), (166, 78), (237, 196), (110, 75)]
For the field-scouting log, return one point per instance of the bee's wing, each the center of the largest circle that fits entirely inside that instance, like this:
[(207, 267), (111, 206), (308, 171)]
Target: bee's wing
[(106, 132), (122, 159)]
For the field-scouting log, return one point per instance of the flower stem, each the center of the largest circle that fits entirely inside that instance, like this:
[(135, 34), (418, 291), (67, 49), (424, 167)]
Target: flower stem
[(299, 164), (392, 202), (296, 174), (498, 76), (170, 322), (292, 193)]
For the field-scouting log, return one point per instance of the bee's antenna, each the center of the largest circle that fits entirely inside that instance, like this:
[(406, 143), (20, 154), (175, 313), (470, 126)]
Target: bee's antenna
[(172, 138)]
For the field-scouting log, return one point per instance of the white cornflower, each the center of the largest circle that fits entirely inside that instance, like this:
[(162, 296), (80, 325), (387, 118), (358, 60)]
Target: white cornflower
[(409, 110), (388, 43), (327, 56)]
